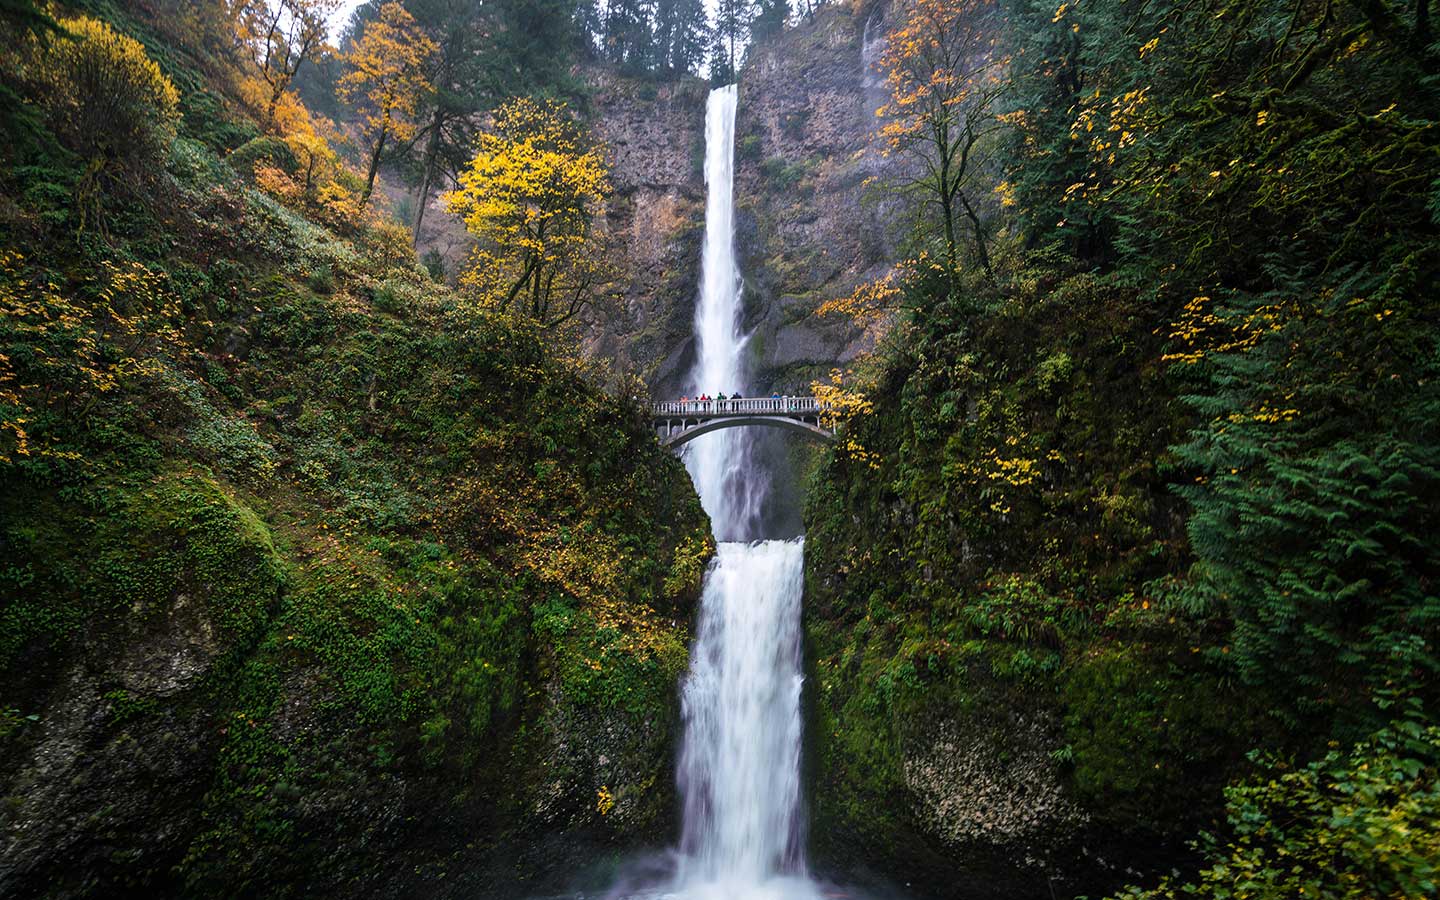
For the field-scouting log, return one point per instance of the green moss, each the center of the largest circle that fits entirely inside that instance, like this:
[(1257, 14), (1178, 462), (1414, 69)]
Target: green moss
[(175, 539), (1150, 738), (126, 707)]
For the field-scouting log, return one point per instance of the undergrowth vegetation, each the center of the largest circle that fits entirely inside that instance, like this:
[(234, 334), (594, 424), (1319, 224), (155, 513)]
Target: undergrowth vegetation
[(270, 489), (1165, 478)]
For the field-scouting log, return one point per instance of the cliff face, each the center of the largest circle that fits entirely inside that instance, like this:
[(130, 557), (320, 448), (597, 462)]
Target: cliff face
[(813, 219), (656, 221), (810, 222)]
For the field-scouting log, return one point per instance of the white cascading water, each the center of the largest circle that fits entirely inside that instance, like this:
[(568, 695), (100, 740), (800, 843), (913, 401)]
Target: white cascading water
[(719, 463), (739, 771)]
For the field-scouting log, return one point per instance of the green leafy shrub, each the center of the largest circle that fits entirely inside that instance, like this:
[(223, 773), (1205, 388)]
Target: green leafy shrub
[(322, 280), (107, 101), (1363, 824), (785, 175), (266, 149)]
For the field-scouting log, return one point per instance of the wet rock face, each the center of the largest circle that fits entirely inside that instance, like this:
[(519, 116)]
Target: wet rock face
[(815, 220), (655, 220), (971, 791), (111, 778)]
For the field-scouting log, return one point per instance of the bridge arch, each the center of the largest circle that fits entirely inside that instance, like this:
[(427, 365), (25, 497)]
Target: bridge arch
[(690, 432)]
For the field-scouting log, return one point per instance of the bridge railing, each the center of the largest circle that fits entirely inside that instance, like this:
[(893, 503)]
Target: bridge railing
[(748, 406)]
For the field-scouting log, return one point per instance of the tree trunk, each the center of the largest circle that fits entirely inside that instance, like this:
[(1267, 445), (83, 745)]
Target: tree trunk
[(980, 249), (432, 150), (374, 167), (275, 91)]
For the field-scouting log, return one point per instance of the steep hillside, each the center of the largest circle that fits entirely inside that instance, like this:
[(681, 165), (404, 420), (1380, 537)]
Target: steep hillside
[(315, 580), (1125, 559)]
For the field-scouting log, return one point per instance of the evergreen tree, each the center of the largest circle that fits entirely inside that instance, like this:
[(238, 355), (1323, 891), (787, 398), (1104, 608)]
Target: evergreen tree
[(769, 18), (460, 82), (629, 41), (722, 70), (681, 32), (732, 25)]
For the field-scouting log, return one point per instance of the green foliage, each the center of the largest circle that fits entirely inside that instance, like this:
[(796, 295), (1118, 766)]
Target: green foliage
[(1147, 733), (785, 175), (1301, 286), (106, 100), (226, 421), (749, 148), (178, 540), (1358, 824), (1174, 471), (267, 149)]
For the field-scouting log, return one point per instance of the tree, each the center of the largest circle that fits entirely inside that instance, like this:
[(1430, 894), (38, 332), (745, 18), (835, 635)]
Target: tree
[(722, 71), (732, 23), (530, 196), (769, 18), (628, 39), (284, 35), (106, 100), (944, 76), (681, 32), (386, 80), (458, 78)]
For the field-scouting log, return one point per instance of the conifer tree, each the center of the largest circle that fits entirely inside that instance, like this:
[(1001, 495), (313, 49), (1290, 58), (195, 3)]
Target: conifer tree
[(681, 33), (628, 38), (721, 70), (459, 81), (732, 25), (769, 18)]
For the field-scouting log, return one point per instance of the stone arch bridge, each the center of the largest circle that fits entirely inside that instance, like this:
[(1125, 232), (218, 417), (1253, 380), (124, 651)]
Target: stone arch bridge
[(678, 422)]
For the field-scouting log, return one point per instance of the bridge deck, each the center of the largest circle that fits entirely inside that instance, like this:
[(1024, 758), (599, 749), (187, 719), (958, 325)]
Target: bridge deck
[(679, 421), (747, 406)]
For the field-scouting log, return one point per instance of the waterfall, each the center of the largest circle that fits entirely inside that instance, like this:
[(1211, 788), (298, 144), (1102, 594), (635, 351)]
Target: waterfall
[(720, 463), (739, 771), (740, 766)]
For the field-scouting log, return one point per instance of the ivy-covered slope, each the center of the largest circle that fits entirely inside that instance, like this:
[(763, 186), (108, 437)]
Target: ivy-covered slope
[(998, 682), (1161, 492), (314, 582)]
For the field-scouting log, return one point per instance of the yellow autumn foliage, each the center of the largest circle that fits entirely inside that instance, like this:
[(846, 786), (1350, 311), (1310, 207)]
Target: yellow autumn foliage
[(531, 196), (840, 405), (385, 80)]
